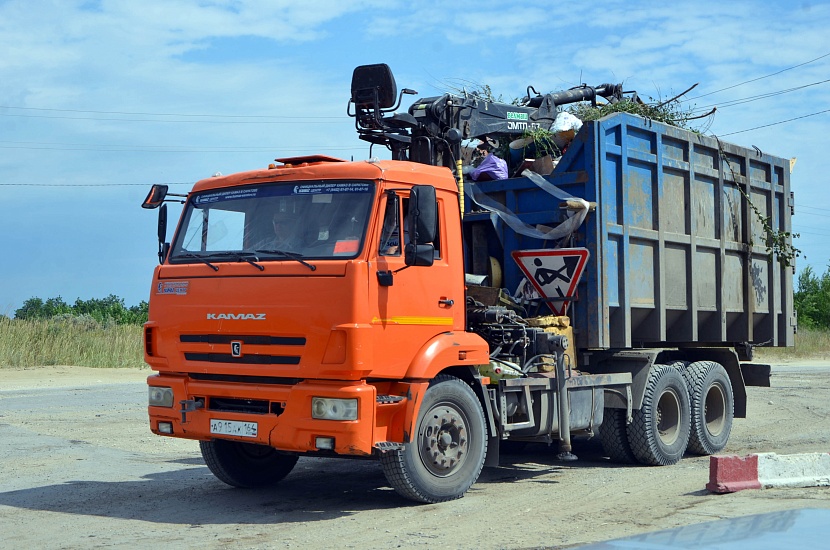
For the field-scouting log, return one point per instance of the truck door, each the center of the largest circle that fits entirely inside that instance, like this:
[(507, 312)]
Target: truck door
[(420, 302)]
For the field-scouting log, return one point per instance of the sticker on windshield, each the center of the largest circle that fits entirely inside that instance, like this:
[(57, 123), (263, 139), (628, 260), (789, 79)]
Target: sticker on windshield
[(346, 247), (331, 187), (228, 195), (283, 190), (173, 287)]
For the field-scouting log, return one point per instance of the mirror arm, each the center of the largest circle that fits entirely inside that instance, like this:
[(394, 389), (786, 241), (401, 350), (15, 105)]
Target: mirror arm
[(164, 247)]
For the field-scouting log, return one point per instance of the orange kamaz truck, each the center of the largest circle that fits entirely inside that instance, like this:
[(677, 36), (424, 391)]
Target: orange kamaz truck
[(398, 310)]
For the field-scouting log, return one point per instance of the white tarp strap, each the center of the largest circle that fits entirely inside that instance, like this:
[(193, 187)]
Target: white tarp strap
[(564, 229)]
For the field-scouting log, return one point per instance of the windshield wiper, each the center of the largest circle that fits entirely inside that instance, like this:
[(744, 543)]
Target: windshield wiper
[(200, 258), (291, 255), (244, 256)]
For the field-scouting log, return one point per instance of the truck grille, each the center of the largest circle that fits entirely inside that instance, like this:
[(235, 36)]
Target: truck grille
[(246, 340), (238, 405), (253, 339), (241, 379), (245, 359), (248, 406)]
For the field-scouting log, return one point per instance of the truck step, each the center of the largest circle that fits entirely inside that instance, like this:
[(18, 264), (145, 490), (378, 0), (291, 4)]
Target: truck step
[(386, 446), (388, 399)]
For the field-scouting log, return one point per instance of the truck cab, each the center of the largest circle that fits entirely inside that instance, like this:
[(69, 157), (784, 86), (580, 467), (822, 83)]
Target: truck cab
[(325, 343)]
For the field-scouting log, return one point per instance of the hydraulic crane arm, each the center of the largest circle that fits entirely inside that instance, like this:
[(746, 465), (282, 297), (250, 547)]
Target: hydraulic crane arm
[(434, 127)]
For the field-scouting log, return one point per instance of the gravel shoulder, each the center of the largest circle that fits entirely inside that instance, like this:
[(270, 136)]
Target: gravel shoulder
[(63, 376)]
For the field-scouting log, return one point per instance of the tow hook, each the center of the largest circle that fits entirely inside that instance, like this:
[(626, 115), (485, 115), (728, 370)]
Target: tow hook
[(190, 405)]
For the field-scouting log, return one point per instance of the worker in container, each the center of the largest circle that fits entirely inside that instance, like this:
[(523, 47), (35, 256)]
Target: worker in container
[(491, 167)]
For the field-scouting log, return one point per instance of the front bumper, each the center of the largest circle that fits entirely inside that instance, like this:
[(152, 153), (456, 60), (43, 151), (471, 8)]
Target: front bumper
[(281, 410)]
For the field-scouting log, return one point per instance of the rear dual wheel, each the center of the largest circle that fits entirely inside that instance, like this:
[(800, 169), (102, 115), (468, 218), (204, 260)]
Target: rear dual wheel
[(686, 407), (660, 429), (712, 405), (613, 434)]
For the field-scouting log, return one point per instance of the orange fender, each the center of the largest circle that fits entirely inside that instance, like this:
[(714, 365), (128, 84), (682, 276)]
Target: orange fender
[(448, 349)]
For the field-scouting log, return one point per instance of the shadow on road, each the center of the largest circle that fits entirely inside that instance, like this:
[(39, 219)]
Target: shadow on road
[(192, 496), (317, 489)]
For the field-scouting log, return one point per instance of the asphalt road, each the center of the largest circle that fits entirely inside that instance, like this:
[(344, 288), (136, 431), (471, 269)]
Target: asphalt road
[(79, 469)]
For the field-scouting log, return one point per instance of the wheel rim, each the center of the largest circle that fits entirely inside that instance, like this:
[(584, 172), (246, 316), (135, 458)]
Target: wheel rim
[(668, 417), (714, 409), (443, 439)]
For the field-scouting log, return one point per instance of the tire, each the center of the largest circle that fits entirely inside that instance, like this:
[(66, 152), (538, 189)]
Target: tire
[(712, 404), (246, 465), (613, 434), (448, 448), (660, 430)]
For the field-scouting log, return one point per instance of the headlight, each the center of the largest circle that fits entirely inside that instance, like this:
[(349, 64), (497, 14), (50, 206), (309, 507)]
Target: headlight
[(161, 397), (325, 408)]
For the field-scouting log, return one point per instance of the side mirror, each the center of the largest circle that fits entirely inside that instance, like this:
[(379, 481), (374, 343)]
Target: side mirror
[(422, 214), (422, 226), (156, 196), (421, 255)]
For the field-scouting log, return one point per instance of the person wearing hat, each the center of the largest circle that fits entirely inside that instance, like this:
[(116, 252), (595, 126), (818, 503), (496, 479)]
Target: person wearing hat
[(491, 167)]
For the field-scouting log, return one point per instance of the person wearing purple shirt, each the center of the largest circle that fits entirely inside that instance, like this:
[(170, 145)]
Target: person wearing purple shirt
[(491, 167)]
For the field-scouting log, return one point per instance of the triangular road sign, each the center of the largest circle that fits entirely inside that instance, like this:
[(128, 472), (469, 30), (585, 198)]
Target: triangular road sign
[(553, 273)]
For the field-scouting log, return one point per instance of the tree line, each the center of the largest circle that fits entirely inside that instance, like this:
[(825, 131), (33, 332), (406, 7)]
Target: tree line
[(812, 299), (103, 311)]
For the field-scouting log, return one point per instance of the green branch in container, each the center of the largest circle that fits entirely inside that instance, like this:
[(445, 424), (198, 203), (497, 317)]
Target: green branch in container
[(778, 243)]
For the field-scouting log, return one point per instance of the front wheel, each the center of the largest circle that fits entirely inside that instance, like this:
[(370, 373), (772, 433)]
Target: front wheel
[(245, 464), (660, 430), (447, 451)]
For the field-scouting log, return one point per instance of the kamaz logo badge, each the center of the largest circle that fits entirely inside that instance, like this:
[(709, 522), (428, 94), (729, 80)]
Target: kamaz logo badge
[(236, 316)]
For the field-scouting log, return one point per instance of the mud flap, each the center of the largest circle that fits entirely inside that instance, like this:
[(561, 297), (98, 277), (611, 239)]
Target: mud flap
[(483, 394), (492, 459), (756, 375)]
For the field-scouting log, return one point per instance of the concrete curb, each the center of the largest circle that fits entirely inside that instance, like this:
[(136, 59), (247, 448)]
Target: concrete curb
[(731, 473)]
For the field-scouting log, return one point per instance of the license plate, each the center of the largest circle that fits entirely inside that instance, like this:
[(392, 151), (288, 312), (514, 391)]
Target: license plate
[(232, 427)]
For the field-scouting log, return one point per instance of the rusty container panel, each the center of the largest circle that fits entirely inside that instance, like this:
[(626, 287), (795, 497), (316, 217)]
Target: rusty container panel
[(678, 255)]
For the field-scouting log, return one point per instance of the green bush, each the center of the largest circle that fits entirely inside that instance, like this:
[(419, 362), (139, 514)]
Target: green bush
[(812, 299), (105, 311), (669, 113)]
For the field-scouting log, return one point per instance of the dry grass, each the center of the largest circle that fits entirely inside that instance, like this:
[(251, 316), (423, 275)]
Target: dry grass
[(85, 344), (809, 344)]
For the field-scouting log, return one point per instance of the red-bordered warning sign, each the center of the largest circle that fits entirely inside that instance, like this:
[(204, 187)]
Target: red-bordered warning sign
[(553, 273)]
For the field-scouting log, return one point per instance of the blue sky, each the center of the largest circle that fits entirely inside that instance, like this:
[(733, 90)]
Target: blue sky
[(100, 99)]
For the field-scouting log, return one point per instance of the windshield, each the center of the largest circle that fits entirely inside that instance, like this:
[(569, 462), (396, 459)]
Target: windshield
[(315, 220)]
